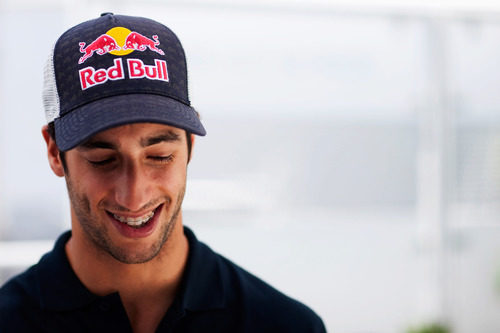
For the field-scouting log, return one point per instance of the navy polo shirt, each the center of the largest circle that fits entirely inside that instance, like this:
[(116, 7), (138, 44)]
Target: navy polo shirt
[(215, 296)]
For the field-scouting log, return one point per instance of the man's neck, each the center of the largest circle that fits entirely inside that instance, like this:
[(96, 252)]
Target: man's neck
[(147, 290)]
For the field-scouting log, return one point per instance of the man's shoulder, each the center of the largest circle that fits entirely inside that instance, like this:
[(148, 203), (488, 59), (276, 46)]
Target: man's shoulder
[(256, 303), (18, 305), (21, 302), (268, 305), (17, 290)]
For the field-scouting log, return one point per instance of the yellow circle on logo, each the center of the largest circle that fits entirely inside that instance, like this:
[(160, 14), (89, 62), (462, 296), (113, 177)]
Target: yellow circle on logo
[(119, 34)]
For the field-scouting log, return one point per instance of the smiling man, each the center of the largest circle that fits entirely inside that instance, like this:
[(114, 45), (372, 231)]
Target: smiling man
[(121, 131)]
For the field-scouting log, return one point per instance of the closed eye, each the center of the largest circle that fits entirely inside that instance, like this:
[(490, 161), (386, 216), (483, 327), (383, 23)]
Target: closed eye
[(101, 162), (161, 158)]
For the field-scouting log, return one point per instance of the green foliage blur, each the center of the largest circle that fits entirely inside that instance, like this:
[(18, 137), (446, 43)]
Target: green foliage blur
[(430, 328)]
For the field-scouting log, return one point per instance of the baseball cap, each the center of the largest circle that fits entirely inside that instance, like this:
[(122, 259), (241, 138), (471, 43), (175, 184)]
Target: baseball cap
[(116, 70)]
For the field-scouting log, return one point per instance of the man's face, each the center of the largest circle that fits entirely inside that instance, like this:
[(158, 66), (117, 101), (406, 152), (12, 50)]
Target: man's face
[(126, 186)]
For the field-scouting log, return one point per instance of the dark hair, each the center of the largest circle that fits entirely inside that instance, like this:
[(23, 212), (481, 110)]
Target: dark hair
[(52, 132)]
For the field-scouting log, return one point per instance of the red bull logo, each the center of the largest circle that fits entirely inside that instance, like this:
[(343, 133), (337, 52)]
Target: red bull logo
[(90, 77), (102, 45), (119, 41), (136, 41)]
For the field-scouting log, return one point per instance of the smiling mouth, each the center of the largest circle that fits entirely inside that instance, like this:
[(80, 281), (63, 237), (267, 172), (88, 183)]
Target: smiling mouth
[(135, 222)]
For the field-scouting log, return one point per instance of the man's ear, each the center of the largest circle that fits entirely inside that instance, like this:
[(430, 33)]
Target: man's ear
[(192, 136), (53, 153)]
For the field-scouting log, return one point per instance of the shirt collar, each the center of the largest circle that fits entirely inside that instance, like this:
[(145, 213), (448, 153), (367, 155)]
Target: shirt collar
[(204, 280), (202, 287)]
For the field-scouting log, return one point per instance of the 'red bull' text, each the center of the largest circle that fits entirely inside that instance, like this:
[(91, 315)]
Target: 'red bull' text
[(89, 76)]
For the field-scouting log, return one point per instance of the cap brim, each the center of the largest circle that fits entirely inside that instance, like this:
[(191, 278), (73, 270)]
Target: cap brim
[(90, 119)]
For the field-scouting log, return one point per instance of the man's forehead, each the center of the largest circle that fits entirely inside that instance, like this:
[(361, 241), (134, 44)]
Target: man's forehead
[(144, 134)]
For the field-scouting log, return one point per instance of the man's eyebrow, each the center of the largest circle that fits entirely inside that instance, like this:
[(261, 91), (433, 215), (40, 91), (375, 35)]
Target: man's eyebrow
[(167, 136), (91, 144)]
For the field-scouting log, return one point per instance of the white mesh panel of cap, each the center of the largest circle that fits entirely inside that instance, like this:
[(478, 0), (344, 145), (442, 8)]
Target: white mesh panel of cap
[(49, 94)]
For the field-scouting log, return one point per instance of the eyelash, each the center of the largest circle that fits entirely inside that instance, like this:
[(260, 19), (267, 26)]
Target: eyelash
[(101, 163), (160, 159)]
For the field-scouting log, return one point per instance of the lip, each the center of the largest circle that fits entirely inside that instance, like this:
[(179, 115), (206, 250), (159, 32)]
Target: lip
[(131, 232)]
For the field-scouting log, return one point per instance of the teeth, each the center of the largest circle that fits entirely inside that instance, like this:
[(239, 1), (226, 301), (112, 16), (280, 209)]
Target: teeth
[(134, 222)]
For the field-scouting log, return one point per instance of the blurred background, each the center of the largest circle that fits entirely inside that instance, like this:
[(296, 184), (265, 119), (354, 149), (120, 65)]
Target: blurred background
[(352, 157)]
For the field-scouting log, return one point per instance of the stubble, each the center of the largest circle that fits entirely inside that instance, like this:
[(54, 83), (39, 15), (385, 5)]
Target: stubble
[(96, 232)]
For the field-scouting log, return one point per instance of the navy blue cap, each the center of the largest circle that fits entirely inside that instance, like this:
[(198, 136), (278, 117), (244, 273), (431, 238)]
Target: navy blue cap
[(116, 70)]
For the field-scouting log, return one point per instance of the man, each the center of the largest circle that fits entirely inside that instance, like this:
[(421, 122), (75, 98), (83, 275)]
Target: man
[(120, 131)]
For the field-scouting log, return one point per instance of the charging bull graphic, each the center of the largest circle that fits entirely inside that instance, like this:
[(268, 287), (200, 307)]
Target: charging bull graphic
[(136, 41), (110, 43), (102, 45)]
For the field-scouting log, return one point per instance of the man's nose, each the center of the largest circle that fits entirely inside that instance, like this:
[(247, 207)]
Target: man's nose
[(132, 190)]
